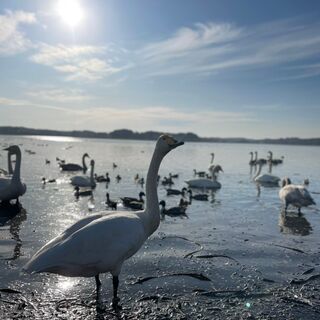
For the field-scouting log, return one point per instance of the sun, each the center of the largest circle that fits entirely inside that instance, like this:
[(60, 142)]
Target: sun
[(70, 12)]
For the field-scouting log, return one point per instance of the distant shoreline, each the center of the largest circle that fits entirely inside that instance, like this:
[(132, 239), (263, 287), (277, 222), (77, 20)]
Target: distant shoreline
[(152, 135)]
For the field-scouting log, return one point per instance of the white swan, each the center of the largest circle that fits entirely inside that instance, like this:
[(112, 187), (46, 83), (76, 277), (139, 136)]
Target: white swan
[(295, 195), (85, 181), (102, 242), (74, 166), (11, 187), (266, 179), (206, 183)]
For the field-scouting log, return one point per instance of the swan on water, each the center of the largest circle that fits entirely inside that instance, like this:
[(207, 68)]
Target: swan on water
[(207, 183), (266, 179), (75, 167), (101, 242), (12, 187), (85, 181), (295, 195), (273, 161)]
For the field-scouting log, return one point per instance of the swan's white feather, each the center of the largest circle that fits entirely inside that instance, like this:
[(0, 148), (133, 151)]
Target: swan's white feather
[(93, 245)]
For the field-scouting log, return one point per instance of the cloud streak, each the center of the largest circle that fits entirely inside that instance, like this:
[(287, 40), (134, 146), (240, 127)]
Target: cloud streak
[(210, 48)]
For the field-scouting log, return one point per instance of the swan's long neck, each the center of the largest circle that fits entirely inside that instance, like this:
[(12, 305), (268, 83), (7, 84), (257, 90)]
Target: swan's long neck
[(91, 174), (259, 171), (251, 159), (212, 158), (271, 156), (256, 156), (84, 166), (10, 169), (16, 172), (152, 217)]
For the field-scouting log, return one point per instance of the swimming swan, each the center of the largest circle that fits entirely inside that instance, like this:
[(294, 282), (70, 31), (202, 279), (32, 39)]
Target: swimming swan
[(102, 242), (207, 183), (85, 181), (296, 195), (266, 179), (75, 167), (12, 187)]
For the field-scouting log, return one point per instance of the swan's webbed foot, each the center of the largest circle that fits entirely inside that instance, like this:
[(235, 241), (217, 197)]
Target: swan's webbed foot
[(115, 304)]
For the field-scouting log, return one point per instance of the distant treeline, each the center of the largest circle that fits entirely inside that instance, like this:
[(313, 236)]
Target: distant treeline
[(151, 135)]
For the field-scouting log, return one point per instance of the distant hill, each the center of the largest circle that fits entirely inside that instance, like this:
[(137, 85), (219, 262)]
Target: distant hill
[(151, 135)]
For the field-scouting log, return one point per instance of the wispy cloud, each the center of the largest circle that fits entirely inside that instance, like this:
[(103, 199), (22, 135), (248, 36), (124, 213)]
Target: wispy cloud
[(208, 48), (77, 62), (58, 95), (12, 39)]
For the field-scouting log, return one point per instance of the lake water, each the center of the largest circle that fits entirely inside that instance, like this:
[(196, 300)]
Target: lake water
[(238, 222)]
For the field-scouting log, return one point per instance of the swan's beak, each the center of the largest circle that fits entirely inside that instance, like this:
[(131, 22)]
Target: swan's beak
[(6, 149), (176, 144)]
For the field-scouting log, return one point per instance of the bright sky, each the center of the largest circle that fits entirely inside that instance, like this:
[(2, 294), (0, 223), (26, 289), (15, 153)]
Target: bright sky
[(225, 68)]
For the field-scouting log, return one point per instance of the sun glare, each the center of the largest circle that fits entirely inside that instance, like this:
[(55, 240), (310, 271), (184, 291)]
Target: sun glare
[(70, 11)]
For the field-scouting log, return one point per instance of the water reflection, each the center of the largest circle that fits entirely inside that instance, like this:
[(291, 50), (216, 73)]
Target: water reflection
[(291, 223), (13, 215)]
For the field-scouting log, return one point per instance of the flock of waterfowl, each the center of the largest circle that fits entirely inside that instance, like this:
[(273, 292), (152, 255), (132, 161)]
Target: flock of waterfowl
[(101, 242)]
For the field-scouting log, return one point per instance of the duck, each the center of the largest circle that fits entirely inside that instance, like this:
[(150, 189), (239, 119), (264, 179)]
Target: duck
[(75, 167), (206, 183), (199, 173), (105, 178), (176, 191), (45, 181), (173, 211), (127, 200), (12, 187), (103, 241), (295, 195), (85, 181), (265, 179), (83, 193), (111, 204), (199, 196)]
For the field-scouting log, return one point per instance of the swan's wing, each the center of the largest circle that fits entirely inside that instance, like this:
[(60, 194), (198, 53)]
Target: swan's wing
[(69, 231), (305, 194), (100, 246)]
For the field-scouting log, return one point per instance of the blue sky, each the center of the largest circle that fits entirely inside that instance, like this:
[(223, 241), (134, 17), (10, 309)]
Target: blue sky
[(217, 68)]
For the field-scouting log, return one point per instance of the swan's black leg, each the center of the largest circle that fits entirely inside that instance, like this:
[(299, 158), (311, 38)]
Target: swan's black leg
[(98, 282), (115, 300)]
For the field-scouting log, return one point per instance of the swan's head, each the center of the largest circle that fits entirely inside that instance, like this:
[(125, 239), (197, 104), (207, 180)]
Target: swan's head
[(217, 168), (141, 194), (86, 155), (285, 182), (13, 149), (92, 163), (167, 143)]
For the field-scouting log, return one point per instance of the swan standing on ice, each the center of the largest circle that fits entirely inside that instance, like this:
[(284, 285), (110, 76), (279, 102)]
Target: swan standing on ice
[(102, 242), (266, 179), (75, 167), (84, 181), (13, 188), (295, 195)]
